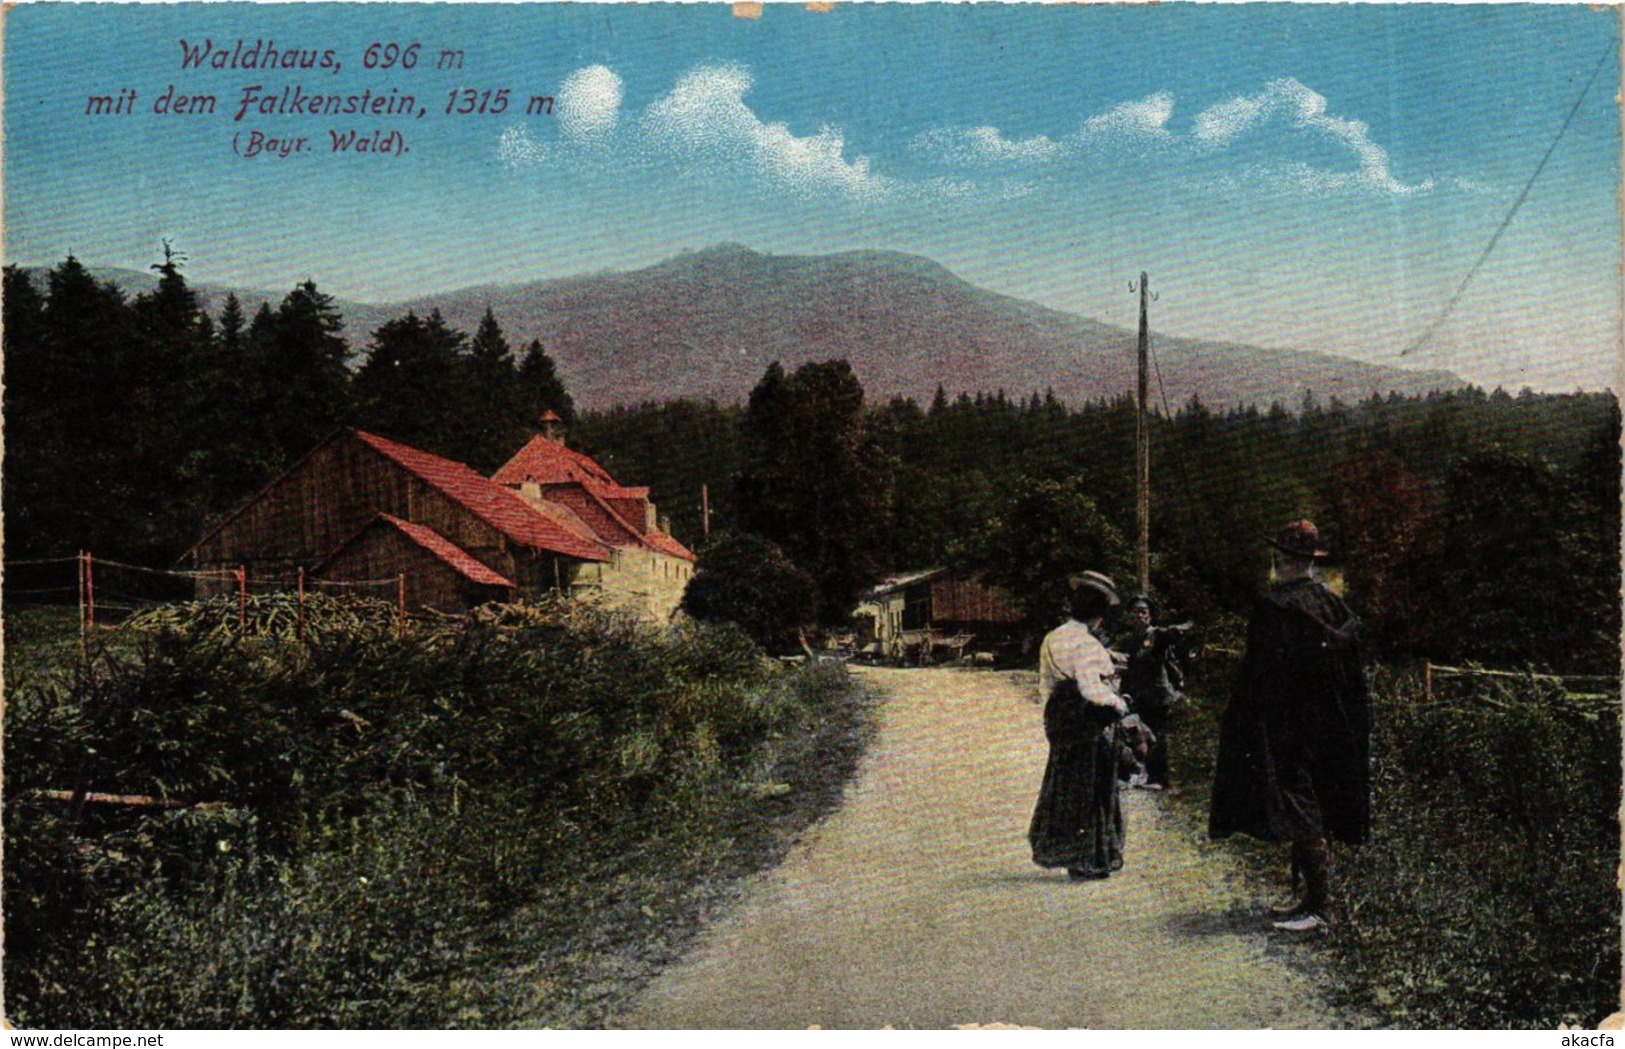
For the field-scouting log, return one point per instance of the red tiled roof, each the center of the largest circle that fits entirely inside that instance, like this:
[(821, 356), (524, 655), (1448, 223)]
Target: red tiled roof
[(609, 526), (453, 555), (666, 544), (566, 518), (586, 490), (549, 462), (501, 508)]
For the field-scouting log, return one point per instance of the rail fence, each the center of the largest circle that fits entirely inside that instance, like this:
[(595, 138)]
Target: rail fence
[(1440, 684)]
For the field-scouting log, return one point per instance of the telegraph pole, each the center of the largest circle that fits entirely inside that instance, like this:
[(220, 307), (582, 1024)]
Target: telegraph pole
[(1142, 449)]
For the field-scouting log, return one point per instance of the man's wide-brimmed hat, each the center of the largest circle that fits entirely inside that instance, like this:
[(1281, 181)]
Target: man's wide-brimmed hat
[(1096, 581), (1300, 539)]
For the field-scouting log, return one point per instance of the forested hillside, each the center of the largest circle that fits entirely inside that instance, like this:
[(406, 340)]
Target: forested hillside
[(1467, 525), (133, 424)]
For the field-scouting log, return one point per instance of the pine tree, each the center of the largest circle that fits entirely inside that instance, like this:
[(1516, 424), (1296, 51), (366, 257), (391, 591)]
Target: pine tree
[(540, 388), (494, 423), (173, 409), (815, 481), (231, 325), (301, 377), (411, 387), (84, 385)]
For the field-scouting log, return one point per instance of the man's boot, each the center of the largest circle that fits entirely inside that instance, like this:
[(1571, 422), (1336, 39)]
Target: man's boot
[(1314, 858), (1294, 907)]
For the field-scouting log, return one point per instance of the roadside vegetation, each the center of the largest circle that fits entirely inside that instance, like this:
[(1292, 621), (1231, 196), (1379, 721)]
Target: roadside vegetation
[(512, 820), (508, 820), (1487, 896)]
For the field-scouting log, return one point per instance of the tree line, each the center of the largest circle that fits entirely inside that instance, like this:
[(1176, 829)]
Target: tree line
[(1468, 524), (134, 423)]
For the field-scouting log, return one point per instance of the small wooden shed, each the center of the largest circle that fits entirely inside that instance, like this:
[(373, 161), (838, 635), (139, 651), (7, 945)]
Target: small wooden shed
[(941, 613), (443, 577)]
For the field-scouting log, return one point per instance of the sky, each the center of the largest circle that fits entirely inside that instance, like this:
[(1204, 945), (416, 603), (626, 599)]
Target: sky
[(1314, 177)]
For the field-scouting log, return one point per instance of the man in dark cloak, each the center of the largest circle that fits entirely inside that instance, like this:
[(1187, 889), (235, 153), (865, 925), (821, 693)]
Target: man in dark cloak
[(1294, 745)]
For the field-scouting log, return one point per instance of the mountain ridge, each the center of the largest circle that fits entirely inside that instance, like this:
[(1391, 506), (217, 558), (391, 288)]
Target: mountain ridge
[(706, 323)]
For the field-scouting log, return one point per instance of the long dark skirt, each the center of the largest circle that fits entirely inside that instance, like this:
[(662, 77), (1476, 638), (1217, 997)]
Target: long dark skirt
[(1078, 823)]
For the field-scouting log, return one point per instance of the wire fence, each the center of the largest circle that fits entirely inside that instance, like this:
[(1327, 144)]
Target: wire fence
[(107, 593)]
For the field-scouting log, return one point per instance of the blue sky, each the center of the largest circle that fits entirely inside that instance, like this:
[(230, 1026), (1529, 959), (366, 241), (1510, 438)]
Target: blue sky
[(1315, 177)]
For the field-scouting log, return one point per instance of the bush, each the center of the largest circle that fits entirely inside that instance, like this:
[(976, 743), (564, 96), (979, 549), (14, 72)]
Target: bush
[(415, 826), (1487, 895), (748, 580)]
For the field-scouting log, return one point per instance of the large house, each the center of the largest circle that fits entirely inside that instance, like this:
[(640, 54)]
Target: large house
[(360, 508)]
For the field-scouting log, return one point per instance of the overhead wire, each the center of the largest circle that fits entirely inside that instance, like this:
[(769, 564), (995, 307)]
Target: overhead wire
[(1495, 238)]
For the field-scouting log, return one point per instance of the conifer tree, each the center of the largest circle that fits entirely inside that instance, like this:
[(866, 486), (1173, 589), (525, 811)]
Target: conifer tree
[(494, 423), (301, 375), (815, 481), (411, 387), (540, 388), (231, 325)]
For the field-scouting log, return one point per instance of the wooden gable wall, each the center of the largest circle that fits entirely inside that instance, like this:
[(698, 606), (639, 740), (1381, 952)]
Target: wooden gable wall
[(329, 497)]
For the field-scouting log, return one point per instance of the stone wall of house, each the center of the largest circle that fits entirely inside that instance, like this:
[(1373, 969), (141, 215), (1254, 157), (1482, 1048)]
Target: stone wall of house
[(644, 581)]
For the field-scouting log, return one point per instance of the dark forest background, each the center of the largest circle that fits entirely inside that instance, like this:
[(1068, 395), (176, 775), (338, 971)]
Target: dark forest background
[(1469, 525)]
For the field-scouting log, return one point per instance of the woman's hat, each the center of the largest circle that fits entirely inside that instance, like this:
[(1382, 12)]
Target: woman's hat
[(1096, 581), (1142, 601), (1300, 539)]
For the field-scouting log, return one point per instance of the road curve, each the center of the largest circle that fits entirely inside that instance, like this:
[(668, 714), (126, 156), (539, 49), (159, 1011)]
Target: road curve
[(917, 905)]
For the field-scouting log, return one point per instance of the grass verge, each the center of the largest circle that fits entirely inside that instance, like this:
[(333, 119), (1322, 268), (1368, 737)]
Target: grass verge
[(509, 822), (1487, 896)]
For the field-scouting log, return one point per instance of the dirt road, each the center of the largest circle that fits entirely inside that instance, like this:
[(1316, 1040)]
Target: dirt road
[(917, 904)]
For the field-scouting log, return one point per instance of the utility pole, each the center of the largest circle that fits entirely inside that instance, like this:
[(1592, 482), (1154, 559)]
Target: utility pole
[(705, 510), (1142, 448)]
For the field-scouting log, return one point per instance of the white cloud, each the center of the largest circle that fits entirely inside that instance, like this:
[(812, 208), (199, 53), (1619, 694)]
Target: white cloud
[(1142, 121), (588, 109), (1292, 108), (705, 117), (1222, 124), (1283, 114), (518, 148), (985, 145), (589, 103), (1131, 124), (705, 123)]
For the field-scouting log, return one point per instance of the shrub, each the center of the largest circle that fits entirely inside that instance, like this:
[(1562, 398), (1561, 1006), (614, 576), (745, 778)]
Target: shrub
[(395, 806), (748, 580), (1487, 895)]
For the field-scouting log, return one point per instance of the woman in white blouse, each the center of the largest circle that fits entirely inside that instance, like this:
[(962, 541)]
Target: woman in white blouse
[(1078, 823)]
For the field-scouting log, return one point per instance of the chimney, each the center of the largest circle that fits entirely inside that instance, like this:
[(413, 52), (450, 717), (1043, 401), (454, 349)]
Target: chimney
[(553, 426)]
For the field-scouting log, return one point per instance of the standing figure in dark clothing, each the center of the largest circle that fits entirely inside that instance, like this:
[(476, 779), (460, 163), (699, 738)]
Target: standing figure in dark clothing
[(1078, 822), (1294, 745), (1150, 681)]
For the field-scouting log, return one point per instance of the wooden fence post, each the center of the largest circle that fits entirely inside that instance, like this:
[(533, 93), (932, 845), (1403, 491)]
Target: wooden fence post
[(400, 602), (1427, 680), (299, 618), (242, 598), (79, 565), (90, 592)]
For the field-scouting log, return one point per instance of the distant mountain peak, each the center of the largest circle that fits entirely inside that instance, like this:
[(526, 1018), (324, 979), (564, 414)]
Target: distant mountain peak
[(724, 249), (704, 324)]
